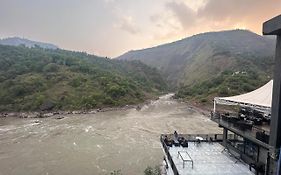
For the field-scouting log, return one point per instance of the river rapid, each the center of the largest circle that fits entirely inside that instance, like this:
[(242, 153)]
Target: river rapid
[(90, 144)]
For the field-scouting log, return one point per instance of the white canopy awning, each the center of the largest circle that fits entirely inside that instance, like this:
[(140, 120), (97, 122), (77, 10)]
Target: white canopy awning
[(259, 99)]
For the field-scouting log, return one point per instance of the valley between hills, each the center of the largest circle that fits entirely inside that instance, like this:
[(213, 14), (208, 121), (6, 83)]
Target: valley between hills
[(42, 77)]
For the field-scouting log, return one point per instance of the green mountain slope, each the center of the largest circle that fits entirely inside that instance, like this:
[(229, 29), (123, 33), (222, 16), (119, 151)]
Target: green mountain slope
[(212, 64), (228, 83), (36, 78), (204, 56)]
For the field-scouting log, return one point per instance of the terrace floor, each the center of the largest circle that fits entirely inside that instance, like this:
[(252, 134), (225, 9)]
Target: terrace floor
[(208, 159)]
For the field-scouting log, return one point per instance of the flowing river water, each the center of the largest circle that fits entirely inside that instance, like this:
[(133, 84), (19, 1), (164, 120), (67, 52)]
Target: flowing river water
[(90, 144)]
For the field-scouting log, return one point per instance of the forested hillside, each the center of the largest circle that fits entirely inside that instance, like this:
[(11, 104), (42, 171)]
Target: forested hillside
[(212, 64), (246, 74), (42, 79), (227, 83), (204, 56)]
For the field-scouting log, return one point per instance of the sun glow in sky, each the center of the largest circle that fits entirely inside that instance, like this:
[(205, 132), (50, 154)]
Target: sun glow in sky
[(112, 27)]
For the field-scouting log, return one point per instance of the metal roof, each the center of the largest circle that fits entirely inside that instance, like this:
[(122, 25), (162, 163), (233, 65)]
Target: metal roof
[(260, 98)]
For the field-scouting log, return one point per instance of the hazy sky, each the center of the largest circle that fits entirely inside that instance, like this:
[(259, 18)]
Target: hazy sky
[(112, 27)]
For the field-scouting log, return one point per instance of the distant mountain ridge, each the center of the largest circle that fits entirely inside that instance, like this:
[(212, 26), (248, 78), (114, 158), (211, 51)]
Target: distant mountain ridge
[(17, 41), (204, 56)]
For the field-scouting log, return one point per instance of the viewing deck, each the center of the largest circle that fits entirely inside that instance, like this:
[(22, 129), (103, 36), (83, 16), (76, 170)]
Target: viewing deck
[(202, 156)]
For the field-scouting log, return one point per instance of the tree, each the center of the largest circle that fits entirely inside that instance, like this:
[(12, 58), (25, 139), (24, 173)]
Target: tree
[(152, 171)]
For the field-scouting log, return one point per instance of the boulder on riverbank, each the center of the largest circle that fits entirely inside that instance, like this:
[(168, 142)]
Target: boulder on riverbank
[(59, 117)]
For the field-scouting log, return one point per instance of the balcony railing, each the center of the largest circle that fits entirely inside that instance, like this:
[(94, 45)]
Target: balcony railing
[(249, 131)]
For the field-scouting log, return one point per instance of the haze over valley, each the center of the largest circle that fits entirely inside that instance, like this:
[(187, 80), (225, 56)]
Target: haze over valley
[(47, 80), (88, 87)]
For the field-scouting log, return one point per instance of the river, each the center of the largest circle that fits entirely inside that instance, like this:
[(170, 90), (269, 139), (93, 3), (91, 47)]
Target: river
[(90, 144)]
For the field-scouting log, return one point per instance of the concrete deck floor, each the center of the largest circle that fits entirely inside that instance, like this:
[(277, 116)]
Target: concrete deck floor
[(209, 159)]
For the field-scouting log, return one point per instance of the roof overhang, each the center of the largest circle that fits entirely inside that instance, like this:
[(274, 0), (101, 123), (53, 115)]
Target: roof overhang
[(273, 26), (259, 99)]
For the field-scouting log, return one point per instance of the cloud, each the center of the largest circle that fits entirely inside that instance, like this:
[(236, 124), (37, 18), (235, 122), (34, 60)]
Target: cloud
[(128, 24), (251, 13), (109, 1), (138, 24), (185, 15), (214, 15), (237, 8), (176, 20), (182, 18)]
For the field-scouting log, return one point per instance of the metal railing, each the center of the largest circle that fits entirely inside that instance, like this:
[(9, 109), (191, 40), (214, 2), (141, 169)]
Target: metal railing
[(194, 137), (166, 149), (190, 138), (245, 132)]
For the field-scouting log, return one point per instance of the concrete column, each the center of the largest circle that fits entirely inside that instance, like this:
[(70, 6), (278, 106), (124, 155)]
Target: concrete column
[(275, 124), (273, 27), (224, 139)]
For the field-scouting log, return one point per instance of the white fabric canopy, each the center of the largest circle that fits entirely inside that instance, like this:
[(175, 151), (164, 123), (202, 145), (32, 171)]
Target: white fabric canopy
[(260, 98)]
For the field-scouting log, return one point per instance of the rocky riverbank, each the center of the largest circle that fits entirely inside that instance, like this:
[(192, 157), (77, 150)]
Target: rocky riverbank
[(59, 114), (43, 114)]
